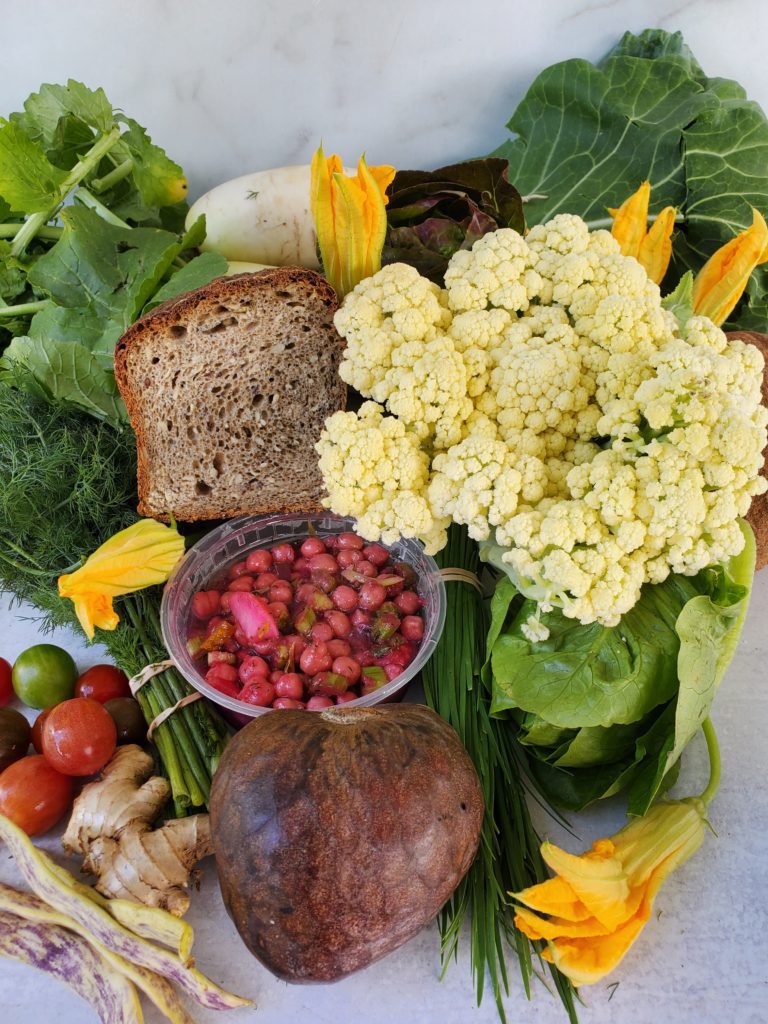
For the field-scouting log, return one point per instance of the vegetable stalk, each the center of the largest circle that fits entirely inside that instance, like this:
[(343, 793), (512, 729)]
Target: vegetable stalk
[(35, 221), (509, 857)]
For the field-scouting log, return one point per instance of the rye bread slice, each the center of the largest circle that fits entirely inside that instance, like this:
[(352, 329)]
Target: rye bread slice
[(757, 516), (227, 389)]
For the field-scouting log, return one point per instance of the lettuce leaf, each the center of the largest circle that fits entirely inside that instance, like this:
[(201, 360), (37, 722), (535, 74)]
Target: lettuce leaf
[(587, 135), (599, 709)]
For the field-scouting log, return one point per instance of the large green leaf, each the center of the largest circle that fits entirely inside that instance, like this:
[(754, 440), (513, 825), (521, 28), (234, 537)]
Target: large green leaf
[(587, 135), (27, 177), (100, 277), (63, 372), (592, 675)]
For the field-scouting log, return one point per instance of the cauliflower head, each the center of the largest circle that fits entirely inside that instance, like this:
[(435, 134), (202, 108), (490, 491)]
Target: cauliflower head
[(546, 397)]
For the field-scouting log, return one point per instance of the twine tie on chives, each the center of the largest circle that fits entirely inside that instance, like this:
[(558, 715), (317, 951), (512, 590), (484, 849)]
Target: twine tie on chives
[(149, 672)]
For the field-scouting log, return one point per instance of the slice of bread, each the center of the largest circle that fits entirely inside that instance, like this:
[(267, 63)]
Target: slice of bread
[(227, 389), (758, 510)]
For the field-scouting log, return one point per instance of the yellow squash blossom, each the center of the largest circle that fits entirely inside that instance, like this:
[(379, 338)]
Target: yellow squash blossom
[(719, 284), (651, 248), (140, 556), (350, 218), (598, 902)]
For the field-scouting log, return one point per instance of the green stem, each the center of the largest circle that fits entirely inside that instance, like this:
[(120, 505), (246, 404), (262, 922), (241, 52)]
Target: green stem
[(84, 197), (50, 233), (24, 308), (607, 222), (713, 749), (108, 180), (35, 222)]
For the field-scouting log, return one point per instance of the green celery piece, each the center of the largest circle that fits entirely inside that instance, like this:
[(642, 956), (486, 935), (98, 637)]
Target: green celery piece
[(680, 301), (106, 272), (63, 371), (28, 179)]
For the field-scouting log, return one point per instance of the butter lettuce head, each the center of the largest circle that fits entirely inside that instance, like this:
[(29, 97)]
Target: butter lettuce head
[(599, 709)]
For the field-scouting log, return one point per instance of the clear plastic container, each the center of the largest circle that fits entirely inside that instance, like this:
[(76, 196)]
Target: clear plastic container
[(217, 551)]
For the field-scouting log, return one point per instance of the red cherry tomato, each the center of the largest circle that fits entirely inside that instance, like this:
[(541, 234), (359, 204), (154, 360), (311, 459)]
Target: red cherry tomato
[(6, 685), (103, 683), (37, 730), (33, 795), (79, 737)]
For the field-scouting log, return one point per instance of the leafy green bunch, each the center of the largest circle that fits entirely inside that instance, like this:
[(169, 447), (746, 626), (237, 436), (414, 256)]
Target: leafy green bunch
[(91, 236), (602, 709)]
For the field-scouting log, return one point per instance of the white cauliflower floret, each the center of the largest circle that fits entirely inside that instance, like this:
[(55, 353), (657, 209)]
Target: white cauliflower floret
[(496, 271), (548, 396), (395, 306), (426, 388), (375, 470)]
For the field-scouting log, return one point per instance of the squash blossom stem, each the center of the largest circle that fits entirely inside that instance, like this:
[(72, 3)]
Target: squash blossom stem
[(713, 749)]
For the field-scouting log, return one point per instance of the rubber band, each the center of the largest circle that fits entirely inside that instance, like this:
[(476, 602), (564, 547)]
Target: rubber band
[(455, 575), (143, 677)]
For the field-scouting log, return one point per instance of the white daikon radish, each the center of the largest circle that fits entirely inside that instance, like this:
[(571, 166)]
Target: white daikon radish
[(262, 217)]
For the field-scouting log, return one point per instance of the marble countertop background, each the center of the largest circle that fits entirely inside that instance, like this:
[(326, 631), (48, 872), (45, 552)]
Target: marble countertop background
[(234, 86)]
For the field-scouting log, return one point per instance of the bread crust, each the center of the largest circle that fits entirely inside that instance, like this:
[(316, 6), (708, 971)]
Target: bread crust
[(175, 312)]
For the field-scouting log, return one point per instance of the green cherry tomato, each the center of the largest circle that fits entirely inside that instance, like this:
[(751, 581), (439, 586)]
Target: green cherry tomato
[(44, 675)]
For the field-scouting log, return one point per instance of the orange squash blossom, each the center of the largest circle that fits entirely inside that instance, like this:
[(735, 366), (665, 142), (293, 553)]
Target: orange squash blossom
[(651, 248), (350, 218)]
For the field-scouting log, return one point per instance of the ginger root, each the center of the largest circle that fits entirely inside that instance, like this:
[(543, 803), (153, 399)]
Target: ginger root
[(111, 825)]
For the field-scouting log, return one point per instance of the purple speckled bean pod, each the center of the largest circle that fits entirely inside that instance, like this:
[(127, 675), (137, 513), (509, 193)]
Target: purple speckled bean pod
[(160, 991), (49, 883), (71, 959)]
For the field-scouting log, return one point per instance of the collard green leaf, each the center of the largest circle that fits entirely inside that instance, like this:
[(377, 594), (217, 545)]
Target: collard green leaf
[(198, 272), (28, 179), (63, 372), (587, 135)]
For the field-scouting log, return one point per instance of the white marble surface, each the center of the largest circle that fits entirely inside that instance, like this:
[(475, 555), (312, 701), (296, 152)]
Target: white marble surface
[(235, 86)]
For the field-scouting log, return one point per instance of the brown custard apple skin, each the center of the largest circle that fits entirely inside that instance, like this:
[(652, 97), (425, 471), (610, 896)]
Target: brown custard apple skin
[(339, 834)]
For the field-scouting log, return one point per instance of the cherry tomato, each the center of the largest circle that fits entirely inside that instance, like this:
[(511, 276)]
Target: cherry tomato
[(103, 683), (129, 721), (34, 795), (14, 736), (44, 675), (79, 737), (6, 684), (37, 730)]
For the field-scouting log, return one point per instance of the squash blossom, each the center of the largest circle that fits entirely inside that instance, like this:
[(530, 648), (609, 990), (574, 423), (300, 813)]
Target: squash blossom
[(652, 248), (598, 902), (140, 556), (350, 218), (719, 284)]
